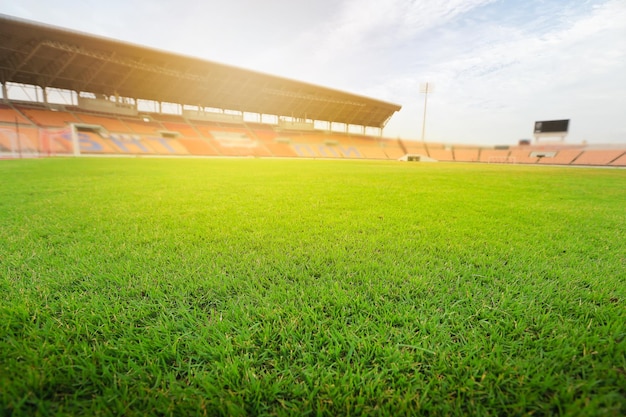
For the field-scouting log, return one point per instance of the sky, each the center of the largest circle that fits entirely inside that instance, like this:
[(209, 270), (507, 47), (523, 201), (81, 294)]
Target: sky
[(495, 66)]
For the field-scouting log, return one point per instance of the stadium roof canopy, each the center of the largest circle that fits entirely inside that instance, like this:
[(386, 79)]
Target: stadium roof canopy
[(51, 57)]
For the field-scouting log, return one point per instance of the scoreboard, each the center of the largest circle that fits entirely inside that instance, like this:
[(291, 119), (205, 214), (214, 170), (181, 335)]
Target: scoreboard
[(552, 126)]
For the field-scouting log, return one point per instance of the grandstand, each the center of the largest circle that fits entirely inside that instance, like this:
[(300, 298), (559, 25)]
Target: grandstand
[(123, 99)]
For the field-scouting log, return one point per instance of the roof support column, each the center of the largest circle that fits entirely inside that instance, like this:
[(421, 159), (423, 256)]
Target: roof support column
[(5, 92)]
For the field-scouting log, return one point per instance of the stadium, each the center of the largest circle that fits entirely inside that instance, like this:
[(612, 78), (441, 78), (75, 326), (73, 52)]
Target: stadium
[(184, 237), (93, 96)]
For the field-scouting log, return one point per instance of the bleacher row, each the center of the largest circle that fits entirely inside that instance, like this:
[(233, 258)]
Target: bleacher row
[(545, 155), (47, 132), (35, 129)]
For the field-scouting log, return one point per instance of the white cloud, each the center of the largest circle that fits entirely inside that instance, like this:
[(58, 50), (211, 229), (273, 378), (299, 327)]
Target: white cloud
[(508, 74), (366, 25)]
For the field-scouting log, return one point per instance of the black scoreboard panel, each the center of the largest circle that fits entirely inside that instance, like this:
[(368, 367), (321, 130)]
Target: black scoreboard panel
[(552, 126)]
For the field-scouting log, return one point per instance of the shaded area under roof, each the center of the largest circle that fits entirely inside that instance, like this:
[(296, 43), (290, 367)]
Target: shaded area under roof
[(46, 56)]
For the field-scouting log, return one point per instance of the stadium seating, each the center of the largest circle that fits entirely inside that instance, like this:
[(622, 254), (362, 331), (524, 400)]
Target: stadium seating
[(47, 118), (166, 146), (147, 127), (372, 152), (466, 155), (317, 150), (279, 146), (597, 157), (91, 142), (167, 117), (199, 147), (281, 150), (8, 142), (46, 132), (28, 142), (413, 147), (10, 116), (441, 154), (392, 149), (184, 129), (620, 161), (111, 124), (235, 141), (562, 157), (495, 156), (522, 156)]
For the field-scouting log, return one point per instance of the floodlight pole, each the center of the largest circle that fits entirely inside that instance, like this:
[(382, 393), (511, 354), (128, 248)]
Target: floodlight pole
[(425, 88)]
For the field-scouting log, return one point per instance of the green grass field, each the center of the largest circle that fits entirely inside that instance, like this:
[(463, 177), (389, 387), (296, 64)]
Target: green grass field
[(284, 287)]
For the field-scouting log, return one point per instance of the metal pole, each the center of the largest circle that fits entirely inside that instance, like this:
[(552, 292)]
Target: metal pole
[(425, 90), (17, 135)]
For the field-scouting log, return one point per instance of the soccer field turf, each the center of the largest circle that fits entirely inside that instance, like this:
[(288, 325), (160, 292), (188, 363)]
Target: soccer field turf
[(302, 287)]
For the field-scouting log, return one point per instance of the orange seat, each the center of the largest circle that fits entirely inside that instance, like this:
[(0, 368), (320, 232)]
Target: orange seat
[(281, 149), (466, 155), (91, 142), (182, 128), (522, 156), (111, 124), (165, 146), (598, 157), (8, 115), (495, 155), (562, 157), (198, 146), (129, 144), (441, 154), (139, 126), (49, 118), (620, 161)]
